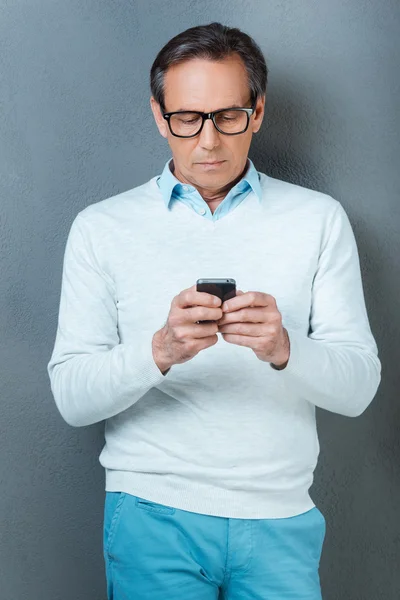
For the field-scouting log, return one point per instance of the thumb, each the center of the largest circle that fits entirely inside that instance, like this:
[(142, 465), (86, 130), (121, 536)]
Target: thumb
[(239, 293)]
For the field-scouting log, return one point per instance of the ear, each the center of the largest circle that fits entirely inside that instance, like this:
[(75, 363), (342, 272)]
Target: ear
[(159, 119), (258, 115)]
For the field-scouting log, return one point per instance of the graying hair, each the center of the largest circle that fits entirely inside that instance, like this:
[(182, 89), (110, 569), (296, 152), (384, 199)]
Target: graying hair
[(213, 42)]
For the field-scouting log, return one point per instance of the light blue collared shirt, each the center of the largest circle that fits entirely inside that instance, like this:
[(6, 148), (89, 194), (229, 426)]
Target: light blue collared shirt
[(174, 190)]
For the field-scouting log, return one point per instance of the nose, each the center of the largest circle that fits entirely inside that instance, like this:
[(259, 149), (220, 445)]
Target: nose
[(209, 136)]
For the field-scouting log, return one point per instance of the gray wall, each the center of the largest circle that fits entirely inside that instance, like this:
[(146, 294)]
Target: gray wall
[(75, 128)]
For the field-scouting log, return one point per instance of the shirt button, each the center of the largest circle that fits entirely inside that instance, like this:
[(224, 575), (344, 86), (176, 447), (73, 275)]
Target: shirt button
[(185, 188), (202, 211)]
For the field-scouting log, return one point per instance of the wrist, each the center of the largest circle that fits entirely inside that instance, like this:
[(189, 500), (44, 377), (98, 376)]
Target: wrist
[(279, 367), (158, 354), (280, 364)]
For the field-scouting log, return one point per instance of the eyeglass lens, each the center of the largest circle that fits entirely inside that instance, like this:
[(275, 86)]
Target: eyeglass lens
[(228, 121)]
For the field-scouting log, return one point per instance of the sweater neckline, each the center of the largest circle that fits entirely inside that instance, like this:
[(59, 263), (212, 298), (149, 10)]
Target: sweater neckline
[(207, 222)]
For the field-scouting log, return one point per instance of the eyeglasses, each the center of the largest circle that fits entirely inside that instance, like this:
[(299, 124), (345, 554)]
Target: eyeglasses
[(229, 121)]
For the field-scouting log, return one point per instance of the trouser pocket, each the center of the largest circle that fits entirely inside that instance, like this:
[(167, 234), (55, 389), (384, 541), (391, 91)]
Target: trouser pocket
[(112, 516), (143, 504)]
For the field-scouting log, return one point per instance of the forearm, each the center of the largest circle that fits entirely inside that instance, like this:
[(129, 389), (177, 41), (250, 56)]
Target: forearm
[(89, 388), (342, 378)]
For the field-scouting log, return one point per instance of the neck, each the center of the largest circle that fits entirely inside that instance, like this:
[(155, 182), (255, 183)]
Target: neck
[(212, 197)]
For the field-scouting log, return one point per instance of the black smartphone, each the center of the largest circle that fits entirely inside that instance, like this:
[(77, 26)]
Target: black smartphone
[(223, 288)]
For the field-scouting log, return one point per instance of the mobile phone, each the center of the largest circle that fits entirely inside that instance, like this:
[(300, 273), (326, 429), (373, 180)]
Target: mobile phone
[(223, 288)]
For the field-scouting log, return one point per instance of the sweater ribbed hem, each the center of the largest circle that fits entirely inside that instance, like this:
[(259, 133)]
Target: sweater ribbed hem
[(208, 500)]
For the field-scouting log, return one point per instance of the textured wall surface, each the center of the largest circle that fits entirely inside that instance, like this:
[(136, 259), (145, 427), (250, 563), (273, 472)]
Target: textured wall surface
[(75, 128)]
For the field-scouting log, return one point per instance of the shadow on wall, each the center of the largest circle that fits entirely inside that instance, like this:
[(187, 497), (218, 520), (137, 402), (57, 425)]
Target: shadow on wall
[(308, 138), (289, 136), (305, 137)]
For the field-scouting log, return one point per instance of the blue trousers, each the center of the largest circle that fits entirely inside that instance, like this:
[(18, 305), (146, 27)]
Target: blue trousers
[(157, 552)]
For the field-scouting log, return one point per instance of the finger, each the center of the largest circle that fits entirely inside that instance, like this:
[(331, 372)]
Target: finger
[(240, 340), (245, 315), (246, 329), (190, 297), (247, 299)]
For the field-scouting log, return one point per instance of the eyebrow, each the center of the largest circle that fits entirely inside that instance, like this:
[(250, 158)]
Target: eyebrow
[(234, 105)]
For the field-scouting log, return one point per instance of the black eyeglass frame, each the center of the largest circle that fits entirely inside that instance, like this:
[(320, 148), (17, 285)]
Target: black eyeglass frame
[(210, 115)]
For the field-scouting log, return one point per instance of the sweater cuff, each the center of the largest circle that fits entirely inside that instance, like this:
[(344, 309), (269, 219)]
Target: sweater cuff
[(147, 372)]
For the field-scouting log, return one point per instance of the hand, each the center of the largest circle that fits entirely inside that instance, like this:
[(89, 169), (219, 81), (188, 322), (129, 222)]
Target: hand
[(252, 319), (182, 338)]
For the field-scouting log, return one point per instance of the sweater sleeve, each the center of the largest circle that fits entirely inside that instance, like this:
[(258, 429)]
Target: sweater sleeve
[(93, 376), (335, 366)]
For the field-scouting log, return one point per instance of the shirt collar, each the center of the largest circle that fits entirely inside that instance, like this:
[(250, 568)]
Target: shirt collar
[(167, 182)]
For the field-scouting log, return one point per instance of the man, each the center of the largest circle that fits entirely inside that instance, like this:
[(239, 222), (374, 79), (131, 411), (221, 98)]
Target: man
[(211, 441)]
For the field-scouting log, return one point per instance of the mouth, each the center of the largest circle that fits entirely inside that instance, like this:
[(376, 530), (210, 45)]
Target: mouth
[(212, 163)]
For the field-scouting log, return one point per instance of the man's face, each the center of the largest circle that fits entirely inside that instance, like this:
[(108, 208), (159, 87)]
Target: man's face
[(207, 86)]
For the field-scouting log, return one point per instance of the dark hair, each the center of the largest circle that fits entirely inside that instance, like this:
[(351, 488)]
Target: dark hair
[(212, 42)]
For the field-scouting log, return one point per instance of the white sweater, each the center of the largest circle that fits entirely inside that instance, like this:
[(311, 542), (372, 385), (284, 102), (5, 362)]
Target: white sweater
[(224, 433)]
